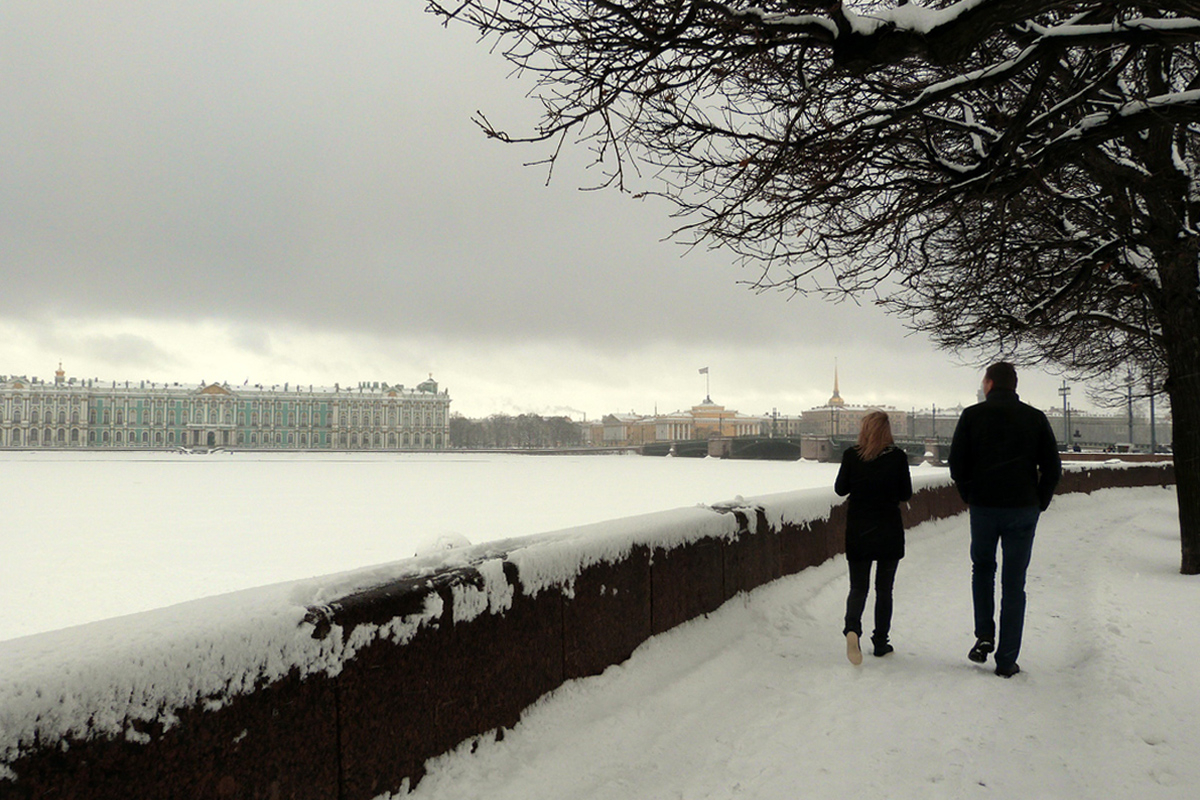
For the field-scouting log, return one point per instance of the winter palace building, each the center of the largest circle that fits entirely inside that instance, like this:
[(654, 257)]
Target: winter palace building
[(89, 414)]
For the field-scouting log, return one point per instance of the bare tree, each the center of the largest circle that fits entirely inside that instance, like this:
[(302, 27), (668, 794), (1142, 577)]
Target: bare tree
[(524, 431), (1016, 177)]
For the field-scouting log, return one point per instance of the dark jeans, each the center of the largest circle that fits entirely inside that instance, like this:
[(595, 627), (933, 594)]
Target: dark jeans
[(860, 582), (1012, 529)]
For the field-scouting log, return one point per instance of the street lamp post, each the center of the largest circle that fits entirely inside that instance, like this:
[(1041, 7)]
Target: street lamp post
[(1129, 400), (1065, 390), (1153, 433)]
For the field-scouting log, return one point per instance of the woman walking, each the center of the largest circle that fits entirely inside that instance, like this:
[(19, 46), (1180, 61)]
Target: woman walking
[(875, 475)]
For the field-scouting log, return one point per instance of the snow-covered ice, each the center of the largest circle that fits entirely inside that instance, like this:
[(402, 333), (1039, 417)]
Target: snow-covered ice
[(93, 535), (759, 701)]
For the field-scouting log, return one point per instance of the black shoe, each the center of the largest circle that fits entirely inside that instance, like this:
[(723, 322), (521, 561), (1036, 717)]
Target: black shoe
[(979, 652), (1007, 671), (883, 648)]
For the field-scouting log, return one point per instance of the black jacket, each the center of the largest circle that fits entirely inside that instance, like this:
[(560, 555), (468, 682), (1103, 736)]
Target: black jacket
[(874, 530), (1004, 454)]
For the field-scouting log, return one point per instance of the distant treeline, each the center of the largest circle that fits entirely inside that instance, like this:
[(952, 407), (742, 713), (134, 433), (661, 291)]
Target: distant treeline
[(525, 430)]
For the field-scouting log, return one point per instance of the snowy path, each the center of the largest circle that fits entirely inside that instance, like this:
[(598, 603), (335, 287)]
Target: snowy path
[(758, 700)]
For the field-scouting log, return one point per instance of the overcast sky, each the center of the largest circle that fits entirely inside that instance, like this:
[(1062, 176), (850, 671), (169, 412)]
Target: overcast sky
[(293, 191)]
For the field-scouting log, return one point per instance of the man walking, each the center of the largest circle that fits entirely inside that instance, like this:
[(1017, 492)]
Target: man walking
[(1004, 462)]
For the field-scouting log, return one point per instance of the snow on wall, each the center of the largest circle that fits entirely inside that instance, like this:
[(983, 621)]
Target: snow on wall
[(116, 677)]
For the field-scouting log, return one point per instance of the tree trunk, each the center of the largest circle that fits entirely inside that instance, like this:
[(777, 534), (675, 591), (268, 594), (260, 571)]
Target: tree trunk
[(1181, 332), (1185, 408)]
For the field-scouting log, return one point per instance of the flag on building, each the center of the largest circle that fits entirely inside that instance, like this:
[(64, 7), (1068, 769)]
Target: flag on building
[(704, 370)]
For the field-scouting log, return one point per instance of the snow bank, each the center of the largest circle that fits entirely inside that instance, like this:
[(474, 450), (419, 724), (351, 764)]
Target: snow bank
[(122, 676)]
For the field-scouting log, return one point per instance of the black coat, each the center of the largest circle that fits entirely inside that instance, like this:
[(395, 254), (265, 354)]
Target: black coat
[(874, 529), (1004, 454)]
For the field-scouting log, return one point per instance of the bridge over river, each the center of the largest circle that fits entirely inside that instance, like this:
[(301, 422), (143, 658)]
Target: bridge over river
[(780, 448)]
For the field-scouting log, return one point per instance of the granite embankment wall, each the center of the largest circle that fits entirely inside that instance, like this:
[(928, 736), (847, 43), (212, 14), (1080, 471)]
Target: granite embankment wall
[(409, 667)]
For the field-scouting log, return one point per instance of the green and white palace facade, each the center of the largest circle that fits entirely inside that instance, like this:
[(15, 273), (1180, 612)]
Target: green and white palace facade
[(110, 415)]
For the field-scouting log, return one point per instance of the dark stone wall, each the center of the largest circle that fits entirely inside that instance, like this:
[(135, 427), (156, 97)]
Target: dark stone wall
[(371, 728), (279, 742)]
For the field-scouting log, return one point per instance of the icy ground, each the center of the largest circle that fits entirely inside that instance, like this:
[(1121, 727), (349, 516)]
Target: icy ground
[(91, 535), (758, 700)]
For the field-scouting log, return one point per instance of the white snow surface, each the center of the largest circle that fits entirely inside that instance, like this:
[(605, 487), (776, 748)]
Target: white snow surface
[(758, 700), (110, 677), (92, 535)]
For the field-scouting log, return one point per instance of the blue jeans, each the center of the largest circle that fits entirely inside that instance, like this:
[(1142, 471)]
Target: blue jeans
[(1012, 529)]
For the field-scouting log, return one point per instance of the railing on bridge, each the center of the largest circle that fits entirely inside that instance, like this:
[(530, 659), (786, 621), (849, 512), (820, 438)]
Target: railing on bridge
[(786, 448)]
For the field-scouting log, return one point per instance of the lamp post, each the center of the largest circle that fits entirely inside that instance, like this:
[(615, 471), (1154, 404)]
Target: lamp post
[(1065, 390), (1129, 400), (1153, 433)]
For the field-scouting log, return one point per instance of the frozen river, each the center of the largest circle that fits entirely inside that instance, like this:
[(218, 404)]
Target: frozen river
[(90, 535)]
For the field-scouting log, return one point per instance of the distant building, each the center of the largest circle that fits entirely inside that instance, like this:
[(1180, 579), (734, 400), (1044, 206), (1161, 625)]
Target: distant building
[(931, 423), (837, 418), (1088, 430), (70, 413), (704, 421)]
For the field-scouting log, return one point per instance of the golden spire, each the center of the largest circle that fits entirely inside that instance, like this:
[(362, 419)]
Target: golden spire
[(836, 400)]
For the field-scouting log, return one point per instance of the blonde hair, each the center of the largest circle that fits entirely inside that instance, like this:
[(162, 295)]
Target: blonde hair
[(874, 435)]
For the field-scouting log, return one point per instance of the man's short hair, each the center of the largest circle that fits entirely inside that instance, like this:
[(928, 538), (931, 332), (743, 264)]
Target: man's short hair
[(1002, 375)]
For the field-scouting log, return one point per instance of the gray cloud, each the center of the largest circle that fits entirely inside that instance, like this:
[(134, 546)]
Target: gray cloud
[(310, 167)]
